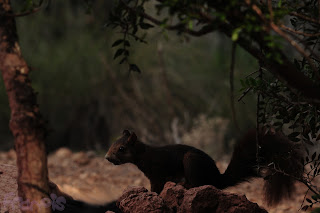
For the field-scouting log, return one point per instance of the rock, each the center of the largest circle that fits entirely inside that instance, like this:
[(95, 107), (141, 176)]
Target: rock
[(81, 158), (140, 200), (173, 195), (11, 155), (200, 199), (91, 154), (232, 203), (209, 199), (175, 198), (8, 189), (63, 153)]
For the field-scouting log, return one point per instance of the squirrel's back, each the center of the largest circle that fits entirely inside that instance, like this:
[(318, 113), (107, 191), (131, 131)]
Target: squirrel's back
[(178, 163)]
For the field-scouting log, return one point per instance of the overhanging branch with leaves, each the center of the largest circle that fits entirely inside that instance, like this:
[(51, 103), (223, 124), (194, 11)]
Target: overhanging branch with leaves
[(250, 23)]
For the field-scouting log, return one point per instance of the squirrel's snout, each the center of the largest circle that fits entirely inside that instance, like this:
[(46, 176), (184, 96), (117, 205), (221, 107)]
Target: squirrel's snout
[(107, 156), (112, 159)]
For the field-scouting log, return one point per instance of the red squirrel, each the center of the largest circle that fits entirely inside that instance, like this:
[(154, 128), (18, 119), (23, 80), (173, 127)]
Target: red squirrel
[(193, 167)]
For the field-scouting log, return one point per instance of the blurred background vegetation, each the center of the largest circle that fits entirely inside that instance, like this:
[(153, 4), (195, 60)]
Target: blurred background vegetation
[(182, 94)]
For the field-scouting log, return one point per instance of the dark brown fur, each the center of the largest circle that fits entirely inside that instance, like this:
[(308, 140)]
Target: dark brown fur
[(192, 167)]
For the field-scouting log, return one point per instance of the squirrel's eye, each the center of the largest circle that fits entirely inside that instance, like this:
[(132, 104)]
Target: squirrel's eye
[(121, 149)]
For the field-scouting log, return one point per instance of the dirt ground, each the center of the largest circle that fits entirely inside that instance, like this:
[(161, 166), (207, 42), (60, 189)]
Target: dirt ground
[(89, 177)]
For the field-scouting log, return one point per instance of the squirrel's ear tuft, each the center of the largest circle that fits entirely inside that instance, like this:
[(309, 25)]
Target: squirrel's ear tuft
[(126, 132), (133, 138)]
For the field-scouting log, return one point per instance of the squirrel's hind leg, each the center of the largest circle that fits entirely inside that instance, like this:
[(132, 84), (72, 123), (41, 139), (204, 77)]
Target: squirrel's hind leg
[(200, 169)]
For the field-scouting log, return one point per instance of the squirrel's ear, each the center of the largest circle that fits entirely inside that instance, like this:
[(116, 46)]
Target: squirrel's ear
[(133, 138), (126, 132)]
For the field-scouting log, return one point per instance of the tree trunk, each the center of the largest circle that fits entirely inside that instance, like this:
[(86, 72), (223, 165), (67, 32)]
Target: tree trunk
[(26, 124)]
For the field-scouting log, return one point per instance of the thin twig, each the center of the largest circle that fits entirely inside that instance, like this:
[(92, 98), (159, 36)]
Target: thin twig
[(299, 32), (304, 198), (233, 55), (319, 10), (244, 93), (250, 88), (276, 29), (270, 9), (252, 73), (297, 47), (311, 50), (26, 13), (258, 124), (34, 10), (307, 18)]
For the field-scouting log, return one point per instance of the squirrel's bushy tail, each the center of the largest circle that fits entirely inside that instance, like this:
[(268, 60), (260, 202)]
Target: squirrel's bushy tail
[(283, 158), (279, 164)]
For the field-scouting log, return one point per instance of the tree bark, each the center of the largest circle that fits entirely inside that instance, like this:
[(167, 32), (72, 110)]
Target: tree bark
[(26, 124)]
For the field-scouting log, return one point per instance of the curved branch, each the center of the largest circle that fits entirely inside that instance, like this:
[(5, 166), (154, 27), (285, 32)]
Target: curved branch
[(296, 46), (276, 29), (284, 70), (307, 18), (26, 13), (299, 32)]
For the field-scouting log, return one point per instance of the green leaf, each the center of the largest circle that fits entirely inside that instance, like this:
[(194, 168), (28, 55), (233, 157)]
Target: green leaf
[(190, 25), (235, 34), (126, 43), (309, 142), (315, 197), (295, 139), (134, 67), (123, 60), (313, 156), (117, 42), (118, 53), (145, 26), (126, 53), (277, 124), (28, 5), (293, 126), (307, 150), (294, 134)]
